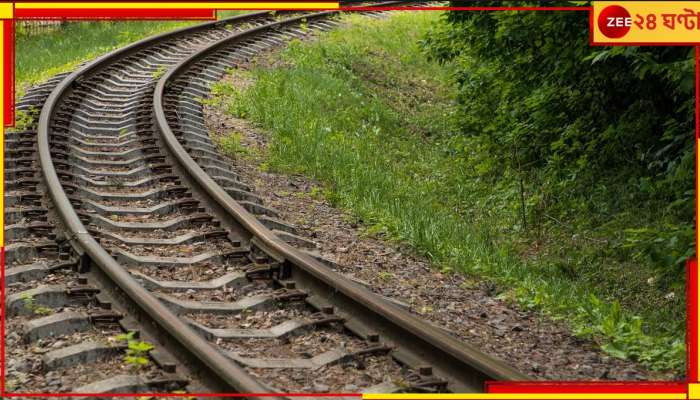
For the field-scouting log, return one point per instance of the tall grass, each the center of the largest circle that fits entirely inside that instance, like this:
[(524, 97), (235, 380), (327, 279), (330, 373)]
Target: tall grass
[(365, 112)]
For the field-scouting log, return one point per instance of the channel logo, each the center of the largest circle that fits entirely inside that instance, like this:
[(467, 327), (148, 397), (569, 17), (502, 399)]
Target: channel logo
[(614, 21), (645, 23)]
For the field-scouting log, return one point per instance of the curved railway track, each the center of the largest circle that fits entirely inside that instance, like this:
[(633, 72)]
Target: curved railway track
[(123, 217)]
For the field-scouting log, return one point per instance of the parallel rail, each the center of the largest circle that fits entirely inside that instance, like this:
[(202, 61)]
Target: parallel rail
[(465, 367), (172, 164), (231, 376)]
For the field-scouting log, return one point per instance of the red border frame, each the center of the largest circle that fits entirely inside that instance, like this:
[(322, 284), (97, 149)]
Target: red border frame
[(9, 74), (116, 13), (563, 387)]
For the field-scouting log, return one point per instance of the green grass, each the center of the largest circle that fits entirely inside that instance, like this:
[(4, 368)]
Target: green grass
[(232, 13), (41, 55), (231, 145), (363, 111)]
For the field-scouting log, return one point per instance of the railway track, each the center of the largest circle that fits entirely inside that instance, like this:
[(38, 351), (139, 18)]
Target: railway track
[(122, 217)]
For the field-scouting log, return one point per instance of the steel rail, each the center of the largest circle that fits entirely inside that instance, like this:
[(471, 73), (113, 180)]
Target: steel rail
[(230, 373), (463, 363)]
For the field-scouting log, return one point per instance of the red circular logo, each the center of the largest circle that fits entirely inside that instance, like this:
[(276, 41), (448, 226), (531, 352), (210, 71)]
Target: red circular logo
[(614, 21)]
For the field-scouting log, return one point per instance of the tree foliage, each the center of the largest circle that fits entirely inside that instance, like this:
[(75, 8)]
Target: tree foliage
[(594, 130)]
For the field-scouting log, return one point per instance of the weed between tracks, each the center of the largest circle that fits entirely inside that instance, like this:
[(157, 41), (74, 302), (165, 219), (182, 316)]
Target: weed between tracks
[(363, 111), (137, 350), (31, 305)]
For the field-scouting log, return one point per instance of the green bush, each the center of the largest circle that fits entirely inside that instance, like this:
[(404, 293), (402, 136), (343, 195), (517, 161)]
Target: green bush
[(586, 134)]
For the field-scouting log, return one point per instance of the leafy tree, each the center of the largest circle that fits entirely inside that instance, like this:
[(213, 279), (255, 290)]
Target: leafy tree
[(579, 128)]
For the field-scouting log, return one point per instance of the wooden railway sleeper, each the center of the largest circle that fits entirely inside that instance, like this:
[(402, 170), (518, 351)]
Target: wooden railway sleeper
[(263, 272), (82, 293), (104, 317), (22, 184), (289, 295), (20, 163), (18, 153)]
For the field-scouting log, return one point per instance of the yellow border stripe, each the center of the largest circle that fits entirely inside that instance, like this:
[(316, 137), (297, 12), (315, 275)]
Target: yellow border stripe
[(513, 396), (693, 391), (6, 11), (252, 5)]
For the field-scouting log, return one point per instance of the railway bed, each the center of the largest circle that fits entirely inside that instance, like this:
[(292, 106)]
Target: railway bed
[(123, 218)]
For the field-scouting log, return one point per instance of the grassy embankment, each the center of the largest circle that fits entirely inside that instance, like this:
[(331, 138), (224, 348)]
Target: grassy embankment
[(365, 113), (41, 55)]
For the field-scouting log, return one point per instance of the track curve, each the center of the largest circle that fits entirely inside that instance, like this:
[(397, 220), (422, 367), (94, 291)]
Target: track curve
[(466, 367), (148, 206)]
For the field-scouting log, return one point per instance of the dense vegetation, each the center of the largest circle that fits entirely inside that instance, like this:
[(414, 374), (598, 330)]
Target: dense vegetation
[(594, 141), (500, 145), (600, 131)]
